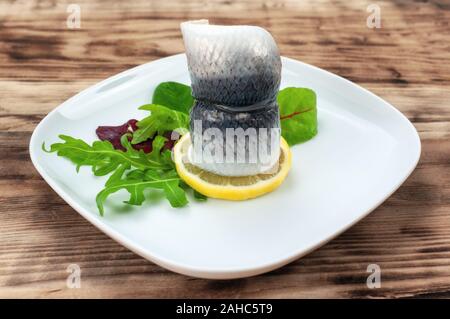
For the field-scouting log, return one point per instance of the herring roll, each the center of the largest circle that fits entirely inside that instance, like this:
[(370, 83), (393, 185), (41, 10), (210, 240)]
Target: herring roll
[(235, 73)]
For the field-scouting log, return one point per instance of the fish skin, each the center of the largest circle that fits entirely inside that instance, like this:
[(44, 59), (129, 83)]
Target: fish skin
[(232, 65)]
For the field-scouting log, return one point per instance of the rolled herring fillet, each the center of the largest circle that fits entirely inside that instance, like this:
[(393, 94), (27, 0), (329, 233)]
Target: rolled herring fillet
[(235, 73)]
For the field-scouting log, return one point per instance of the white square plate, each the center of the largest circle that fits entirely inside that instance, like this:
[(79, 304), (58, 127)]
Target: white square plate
[(364, 151)]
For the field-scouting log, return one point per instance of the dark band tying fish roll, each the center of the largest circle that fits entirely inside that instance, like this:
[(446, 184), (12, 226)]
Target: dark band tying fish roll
[(235, 73)]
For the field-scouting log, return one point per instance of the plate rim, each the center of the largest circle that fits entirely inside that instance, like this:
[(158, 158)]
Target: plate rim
[(180, 267)]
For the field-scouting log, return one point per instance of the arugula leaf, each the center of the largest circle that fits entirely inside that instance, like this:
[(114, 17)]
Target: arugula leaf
[(173, 189), (174, 95), (102, 156), (161, 119), (156, 156), (132, 170), (137, 181), (298, 114), (174, 193), (153, 160), (117, 175), (136, 187)]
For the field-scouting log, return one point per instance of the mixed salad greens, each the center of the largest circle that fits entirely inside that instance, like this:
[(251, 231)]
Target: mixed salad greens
[(137, 154)]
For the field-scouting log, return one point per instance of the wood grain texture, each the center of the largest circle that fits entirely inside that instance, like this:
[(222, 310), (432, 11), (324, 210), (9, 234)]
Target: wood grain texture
[(42, 63)]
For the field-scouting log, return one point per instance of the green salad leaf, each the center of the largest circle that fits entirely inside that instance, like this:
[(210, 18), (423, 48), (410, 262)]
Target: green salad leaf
[(174, 95), (148, 171), (137, 181), (298, 114), (117, 175), (161, 119), (102, 156)]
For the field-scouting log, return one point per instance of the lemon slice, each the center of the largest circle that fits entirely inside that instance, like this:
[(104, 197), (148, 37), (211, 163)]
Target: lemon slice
[(230, 187)]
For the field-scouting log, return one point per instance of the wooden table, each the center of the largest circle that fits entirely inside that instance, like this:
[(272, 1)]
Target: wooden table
[(406, 61)]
